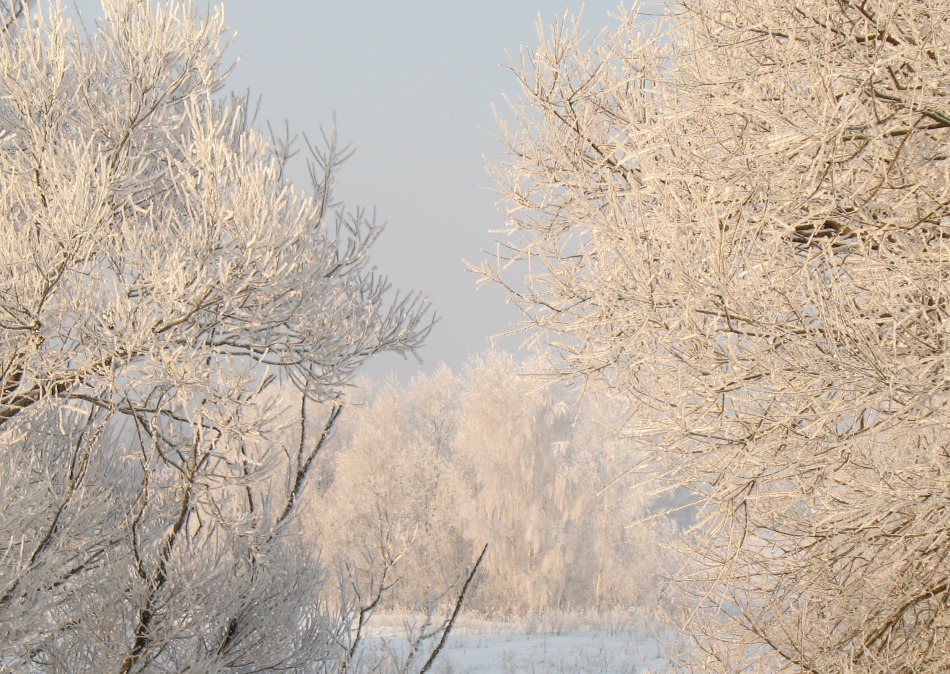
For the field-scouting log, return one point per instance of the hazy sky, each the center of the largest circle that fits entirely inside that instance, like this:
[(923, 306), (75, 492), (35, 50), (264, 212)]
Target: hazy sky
[(412, 85)]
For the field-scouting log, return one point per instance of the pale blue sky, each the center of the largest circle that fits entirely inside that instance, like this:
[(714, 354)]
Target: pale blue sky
[(412, 85)]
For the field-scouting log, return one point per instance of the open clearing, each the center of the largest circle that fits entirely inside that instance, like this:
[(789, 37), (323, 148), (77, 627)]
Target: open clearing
[(484, 647)]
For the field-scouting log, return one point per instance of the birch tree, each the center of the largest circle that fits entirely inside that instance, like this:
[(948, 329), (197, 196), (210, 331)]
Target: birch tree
[(735, 215), (158, 273)]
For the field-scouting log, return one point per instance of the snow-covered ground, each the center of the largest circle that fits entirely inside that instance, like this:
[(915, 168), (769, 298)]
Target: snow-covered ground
[(483, 647), (572, 652)]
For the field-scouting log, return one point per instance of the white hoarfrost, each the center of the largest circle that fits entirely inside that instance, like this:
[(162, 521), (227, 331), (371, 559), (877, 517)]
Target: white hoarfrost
[(737, 216), (158, 272)]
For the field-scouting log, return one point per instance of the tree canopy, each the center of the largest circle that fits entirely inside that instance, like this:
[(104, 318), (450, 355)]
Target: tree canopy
[(159, 273), (736, 215)]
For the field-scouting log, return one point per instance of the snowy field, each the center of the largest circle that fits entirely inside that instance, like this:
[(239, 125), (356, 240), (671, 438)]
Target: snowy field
[(572, 652), (482, 647)]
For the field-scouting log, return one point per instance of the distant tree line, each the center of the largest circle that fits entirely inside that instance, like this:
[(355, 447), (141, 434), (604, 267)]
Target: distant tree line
[(423, 474)]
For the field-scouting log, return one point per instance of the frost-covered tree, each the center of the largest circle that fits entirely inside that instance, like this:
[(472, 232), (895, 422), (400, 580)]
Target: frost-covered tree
[(515, 443), (395, 501), (561, 499), (158, 273), (737, 216)]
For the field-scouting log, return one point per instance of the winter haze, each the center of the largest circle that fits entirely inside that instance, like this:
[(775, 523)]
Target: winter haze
[(729, 221)]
